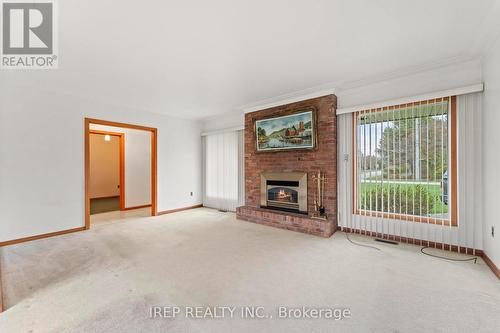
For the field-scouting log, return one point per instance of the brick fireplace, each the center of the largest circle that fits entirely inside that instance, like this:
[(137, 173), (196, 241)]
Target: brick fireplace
[(277, 175)]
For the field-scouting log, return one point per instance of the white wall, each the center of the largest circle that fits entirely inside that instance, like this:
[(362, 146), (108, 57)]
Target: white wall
[(491, 149), (42, 159), (137, 164), (224, 121), (442, 78)]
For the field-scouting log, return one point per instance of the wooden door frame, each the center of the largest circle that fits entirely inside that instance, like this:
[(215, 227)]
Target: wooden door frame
[(121, 136), (154, 159)]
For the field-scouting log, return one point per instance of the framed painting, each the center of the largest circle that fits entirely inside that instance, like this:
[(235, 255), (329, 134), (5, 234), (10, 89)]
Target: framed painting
[(293, 131)]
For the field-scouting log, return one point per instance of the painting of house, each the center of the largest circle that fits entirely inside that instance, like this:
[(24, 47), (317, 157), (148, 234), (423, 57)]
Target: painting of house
[(295, 131)]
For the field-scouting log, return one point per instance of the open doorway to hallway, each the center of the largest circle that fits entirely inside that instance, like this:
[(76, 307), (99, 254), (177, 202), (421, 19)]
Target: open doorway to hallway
[(120, 171), (107, 174)]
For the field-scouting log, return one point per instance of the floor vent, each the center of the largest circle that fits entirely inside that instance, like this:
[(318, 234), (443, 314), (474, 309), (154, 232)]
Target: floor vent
[(386, 241)]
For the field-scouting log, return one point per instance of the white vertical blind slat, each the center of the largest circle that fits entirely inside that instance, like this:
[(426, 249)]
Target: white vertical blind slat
[(223, 175)]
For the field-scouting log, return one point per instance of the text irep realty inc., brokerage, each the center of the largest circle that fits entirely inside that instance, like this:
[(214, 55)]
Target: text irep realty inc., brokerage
[(249, 312)]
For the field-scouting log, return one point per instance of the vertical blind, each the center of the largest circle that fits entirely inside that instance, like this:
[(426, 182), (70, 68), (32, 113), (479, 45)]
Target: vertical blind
[(403, 165), (408, 172), (223, 165)]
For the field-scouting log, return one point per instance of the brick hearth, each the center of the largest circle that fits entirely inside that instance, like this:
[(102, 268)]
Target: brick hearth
[(322, 158), (288, 221)]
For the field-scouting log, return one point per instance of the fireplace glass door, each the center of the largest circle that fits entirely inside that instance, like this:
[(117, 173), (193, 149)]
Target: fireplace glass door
[(283, 194)]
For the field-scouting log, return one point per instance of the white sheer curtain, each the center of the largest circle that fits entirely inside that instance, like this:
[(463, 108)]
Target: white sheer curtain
[(223, 170)]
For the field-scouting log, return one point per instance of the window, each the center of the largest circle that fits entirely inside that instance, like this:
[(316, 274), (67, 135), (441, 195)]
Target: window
[(405, 162)]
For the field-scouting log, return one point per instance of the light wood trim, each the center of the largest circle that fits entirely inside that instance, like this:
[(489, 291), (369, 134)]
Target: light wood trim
[(136, 207), (122, 161), (154, 131), (491, 265), (354, 161), (454, 168), (50, 234), (117, 124), (86, 129), (404, 217), (179, 209), (99, 132), (122, 172), (453, 150), (154, 172)]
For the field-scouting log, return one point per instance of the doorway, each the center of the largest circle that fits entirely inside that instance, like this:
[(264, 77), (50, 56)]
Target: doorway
[(107, 191), (107, 175)]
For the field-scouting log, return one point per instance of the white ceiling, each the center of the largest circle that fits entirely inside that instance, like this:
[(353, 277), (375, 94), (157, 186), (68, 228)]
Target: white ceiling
[(195, 59)]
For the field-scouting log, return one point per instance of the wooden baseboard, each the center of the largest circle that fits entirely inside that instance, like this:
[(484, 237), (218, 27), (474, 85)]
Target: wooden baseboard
[(62, 232), (179, 209), (136, 207), (50, 234), (491, 265)]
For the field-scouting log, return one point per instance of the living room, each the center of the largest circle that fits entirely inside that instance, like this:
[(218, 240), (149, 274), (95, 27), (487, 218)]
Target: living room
[(319, 166)]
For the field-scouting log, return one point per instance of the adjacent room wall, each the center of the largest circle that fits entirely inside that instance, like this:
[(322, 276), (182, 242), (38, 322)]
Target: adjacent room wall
[(104, 166), (491, 156), (42, 159), (137, 164)]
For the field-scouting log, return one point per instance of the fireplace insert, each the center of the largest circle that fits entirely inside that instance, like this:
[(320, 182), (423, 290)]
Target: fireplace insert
[(285, 191), (283, 194)]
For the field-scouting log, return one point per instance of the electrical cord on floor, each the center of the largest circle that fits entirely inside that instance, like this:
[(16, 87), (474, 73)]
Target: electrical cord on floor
[(358, 244), (451, 259)]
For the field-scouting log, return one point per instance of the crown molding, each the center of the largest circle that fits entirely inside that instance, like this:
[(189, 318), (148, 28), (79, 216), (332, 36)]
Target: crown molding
[(301, 95)]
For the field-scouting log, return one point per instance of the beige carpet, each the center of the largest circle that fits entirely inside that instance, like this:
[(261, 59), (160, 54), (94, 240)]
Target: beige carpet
[(106, 280)]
